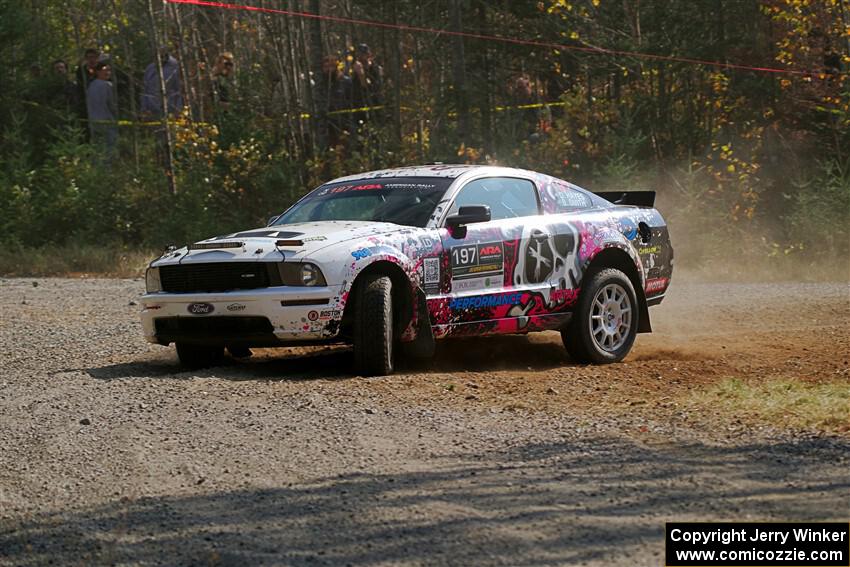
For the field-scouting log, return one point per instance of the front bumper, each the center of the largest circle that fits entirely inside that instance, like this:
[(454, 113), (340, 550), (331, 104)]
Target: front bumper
[(303, 314)]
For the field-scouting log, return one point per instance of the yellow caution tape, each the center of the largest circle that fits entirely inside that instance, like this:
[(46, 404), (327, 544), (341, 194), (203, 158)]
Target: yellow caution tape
[(307, 115)]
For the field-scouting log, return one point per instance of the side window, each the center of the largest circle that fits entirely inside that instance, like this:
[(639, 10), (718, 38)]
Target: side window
[(507, 197), (567, 199)]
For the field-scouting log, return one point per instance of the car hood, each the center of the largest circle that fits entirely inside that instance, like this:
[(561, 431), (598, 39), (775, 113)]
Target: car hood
[(272, 243)]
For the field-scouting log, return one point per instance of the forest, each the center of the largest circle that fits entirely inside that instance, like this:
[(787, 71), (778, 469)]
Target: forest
[(737, 112)]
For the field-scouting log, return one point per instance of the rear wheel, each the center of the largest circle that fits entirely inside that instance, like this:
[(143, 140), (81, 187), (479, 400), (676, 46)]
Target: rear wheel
[(373, 326), (199, 356), (605, 321)]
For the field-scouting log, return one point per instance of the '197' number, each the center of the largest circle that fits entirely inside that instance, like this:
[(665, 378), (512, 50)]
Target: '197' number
[(464, 255)]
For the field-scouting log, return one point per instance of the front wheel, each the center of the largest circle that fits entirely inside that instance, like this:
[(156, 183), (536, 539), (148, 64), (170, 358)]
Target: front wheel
[(605, 322), (373, 326)]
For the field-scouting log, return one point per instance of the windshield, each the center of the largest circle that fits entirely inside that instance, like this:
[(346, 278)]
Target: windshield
[(406, 201)]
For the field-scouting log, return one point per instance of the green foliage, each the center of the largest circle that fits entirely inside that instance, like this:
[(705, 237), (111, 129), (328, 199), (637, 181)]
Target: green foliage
[(780, 401), (819, 215), (720, 146)]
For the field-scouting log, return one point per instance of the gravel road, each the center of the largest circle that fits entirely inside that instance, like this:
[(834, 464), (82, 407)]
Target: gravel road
[(501, 452)]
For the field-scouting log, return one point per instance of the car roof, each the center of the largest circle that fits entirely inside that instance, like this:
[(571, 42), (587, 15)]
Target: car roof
[(450, 171)]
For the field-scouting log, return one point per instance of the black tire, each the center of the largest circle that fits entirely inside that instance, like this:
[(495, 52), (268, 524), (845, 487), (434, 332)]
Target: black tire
[(373, 326), (199, 356), (579, 338)]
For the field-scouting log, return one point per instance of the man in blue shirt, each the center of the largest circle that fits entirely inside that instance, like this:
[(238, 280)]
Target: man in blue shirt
[(102, 110), (151, 95)]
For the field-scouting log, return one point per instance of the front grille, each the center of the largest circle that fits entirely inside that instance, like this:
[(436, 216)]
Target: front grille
[(212, 327), (218, 276)]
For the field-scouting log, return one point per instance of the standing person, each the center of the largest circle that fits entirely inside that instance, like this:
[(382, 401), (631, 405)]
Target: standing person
[(103, 111), (336, 86), (367, 80), (64, 89), (222, 81), (85, 75), (523, 95), (151, 97)]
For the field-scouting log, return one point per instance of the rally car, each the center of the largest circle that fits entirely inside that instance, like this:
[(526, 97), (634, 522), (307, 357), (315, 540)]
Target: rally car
[(390, 261)]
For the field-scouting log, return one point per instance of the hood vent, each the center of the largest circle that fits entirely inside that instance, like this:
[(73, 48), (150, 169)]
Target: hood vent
[(215, 245)]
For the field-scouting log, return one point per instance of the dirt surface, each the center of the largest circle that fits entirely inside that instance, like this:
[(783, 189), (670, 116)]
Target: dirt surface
[(500, 452)]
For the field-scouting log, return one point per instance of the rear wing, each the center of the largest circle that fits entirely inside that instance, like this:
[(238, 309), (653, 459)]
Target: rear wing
[(634, 198)]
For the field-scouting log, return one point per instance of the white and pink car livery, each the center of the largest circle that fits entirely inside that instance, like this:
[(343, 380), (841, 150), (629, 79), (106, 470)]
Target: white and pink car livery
[(466, 250)]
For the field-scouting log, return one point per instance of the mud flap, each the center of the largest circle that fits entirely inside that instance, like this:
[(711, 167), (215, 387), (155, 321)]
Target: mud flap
[(424, 345), (644, 325)]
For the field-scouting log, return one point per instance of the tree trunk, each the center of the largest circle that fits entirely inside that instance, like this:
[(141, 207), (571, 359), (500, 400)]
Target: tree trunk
[(169, 153), (320, 95), (459, 74), (397, 58)]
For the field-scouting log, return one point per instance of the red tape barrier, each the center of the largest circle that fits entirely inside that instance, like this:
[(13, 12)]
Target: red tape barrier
[(503, 39)]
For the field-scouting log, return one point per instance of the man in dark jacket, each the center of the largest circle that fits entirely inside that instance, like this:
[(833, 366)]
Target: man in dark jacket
[(367, 78), (85, 75)]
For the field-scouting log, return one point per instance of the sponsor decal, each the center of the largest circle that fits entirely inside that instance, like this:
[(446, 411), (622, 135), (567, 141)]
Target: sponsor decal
[(474, 260), (478, 301), (410, 185), (264, 233), (329, 314), (200, 308), (431, 274), (426, 242), (649, 250), (236, 307), (628, 228), (335, 190), (563, 295), (490, 251), (569, 199), (539, 258), (361, 253), (314, 238), (468, 284), (656, 284), (313, 315), (347, 188)]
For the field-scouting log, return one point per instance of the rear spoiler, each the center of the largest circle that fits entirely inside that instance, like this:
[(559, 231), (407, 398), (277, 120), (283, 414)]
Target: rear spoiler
[(634, 198)]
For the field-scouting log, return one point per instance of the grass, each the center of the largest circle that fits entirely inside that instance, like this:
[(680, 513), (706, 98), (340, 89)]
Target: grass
[(73, 260), (787, 403)]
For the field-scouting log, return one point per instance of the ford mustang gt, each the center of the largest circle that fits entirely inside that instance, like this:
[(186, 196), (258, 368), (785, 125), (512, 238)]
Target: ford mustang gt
[(391, 261)]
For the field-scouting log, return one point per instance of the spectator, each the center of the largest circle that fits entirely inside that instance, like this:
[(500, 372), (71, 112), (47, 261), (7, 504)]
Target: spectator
[(831, 59), (367, 78), (151, 95), (85, 75), (64, 89), (222, 79), (336, 86), (103, 111), (523, 96)]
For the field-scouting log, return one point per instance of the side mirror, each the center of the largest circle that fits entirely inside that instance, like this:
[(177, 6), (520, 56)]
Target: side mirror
[(468, 214), (272, 219)]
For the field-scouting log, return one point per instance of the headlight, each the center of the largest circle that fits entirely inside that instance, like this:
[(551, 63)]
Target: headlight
[(152, 281), (298, 274)]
